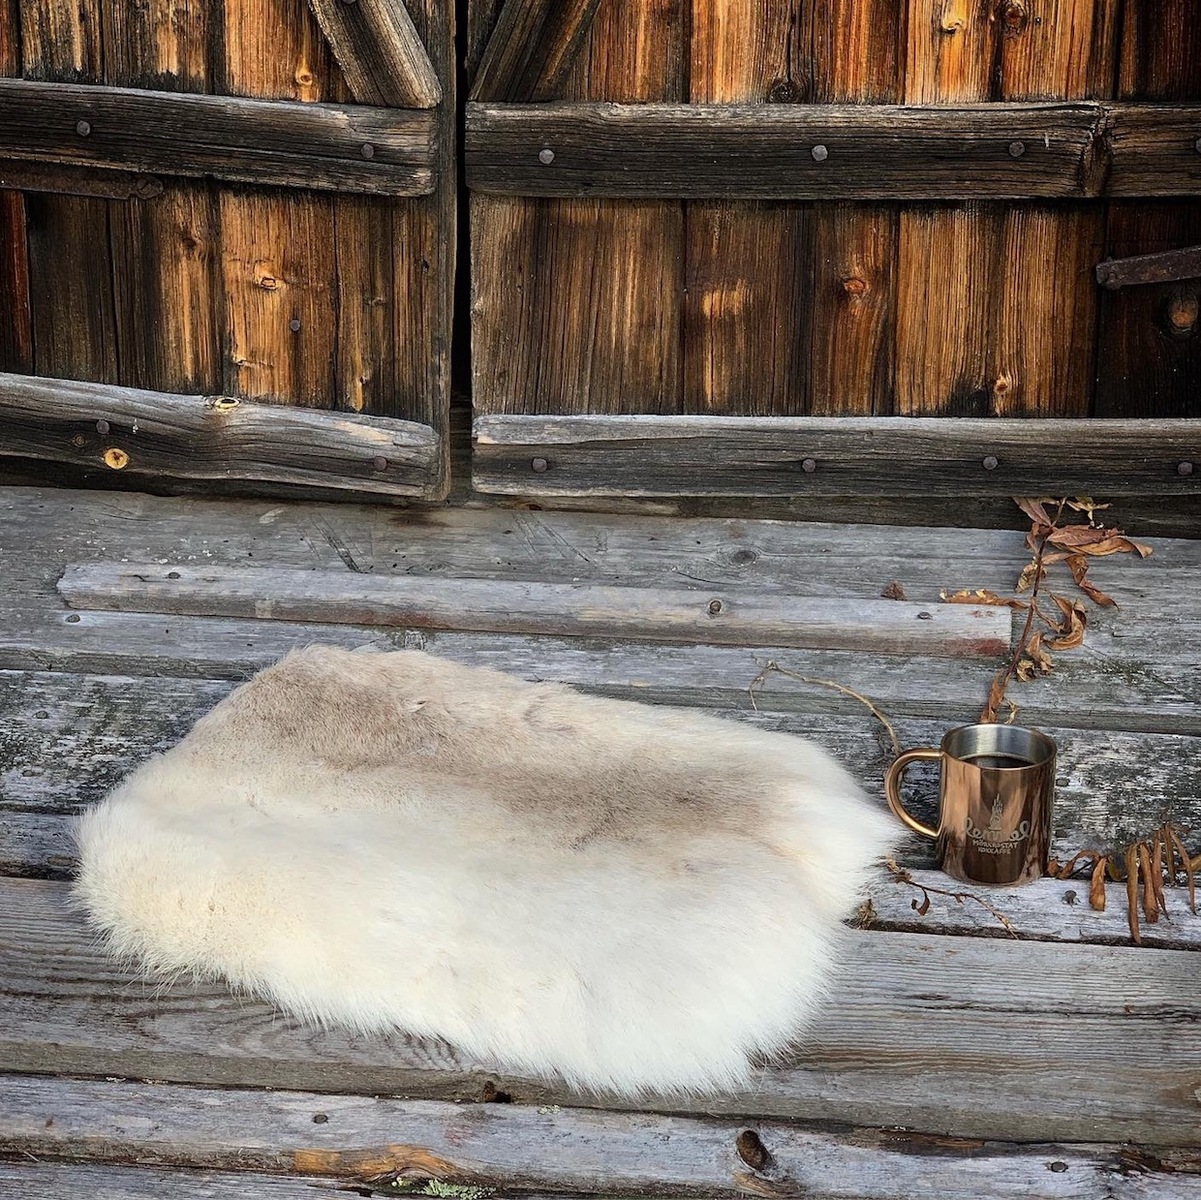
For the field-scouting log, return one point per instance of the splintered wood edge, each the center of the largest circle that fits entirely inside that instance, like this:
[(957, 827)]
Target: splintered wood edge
[(833, 456), (162, 435)]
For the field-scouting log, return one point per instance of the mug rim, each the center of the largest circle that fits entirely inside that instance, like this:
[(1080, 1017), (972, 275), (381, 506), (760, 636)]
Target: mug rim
[(1050, 749)]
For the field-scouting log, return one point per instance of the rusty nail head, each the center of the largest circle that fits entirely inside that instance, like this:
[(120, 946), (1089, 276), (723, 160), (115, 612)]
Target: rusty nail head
[(925, 616), (714, 607), (367, 150), (538, 465), (73, 618), (1197, 144), (546, 156), (82, 128), (809, 465), (294, 324), (820, 153), (172, 574), (379, 463), (990, 463), (102, 426), (1017, 149), (1184, 468)]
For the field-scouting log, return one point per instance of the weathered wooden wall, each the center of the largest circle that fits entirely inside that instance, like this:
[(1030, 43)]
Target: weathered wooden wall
[(321, 299), (795, 307)]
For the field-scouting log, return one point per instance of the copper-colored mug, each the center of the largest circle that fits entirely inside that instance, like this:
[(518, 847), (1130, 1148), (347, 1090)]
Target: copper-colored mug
[(998, 785)]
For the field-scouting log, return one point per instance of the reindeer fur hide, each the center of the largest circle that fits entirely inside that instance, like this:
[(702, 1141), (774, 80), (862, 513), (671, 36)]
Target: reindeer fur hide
[(633, 898)]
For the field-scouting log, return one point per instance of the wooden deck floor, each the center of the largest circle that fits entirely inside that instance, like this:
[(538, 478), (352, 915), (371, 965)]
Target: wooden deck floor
[(955, 1061)]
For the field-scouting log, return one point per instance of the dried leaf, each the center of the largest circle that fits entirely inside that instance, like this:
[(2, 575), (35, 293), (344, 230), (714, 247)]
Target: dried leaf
[(1032, 506), (1132, 892), (1096, 887), (924, 907), (1157, 872), (1086, 539), (1030, 572), (893, 591), (1078, 565), (996, 697), (1150, 907), (1072, 631), (982, 596), (1085, 504)]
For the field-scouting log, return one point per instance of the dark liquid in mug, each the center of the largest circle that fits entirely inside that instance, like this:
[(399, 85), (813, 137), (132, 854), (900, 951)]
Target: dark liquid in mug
[(992, 761)]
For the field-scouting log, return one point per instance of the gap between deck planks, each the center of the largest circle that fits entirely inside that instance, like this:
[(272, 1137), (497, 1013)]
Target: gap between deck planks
[(537, 1150), (966, 1037), (739, 616)]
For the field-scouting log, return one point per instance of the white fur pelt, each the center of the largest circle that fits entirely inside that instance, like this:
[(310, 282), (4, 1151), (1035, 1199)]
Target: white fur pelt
[(633, 898)]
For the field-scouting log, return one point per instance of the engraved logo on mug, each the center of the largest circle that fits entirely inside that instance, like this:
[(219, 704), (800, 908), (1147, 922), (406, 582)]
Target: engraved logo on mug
[(993, 839)]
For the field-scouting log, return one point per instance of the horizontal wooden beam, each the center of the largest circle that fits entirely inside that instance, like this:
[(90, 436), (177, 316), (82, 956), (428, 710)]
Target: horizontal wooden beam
[(721, 616), (834, 456), (815, 151), (521, 1148), (78, 181), (962, 1036), (387, 151), (155, 435)]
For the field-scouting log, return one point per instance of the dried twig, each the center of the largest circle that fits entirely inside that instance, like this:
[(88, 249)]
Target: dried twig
[(923, 906), (773, 666)]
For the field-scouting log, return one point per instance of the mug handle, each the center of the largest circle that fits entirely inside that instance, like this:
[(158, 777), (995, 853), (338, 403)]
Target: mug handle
[(892, 784)]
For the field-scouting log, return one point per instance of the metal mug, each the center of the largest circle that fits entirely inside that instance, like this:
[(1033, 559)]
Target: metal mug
[(998, 786)]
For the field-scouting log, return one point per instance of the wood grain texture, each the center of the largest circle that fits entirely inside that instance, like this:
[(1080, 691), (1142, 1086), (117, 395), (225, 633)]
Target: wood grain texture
[(577, 610), (165, 253), (16, 332), (79, 181), (516, 1146), (1150, 341), (70, 265), (301, 145), (744, 331), (1022, 275), (379, 51), (530, 50), (748, 456), (149, 434), (575, 303), (903, 998), (766, 151)]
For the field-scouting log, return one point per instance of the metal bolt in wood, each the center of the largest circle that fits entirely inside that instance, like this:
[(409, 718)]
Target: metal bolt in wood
[(1017, 149), (546, 156), (809, 465), (990, 463), (538, 465), (820, 153), (1184, 468), (379, 463), (294, 324), (715, 607), (82, 128), (367, 150), (102, 426)]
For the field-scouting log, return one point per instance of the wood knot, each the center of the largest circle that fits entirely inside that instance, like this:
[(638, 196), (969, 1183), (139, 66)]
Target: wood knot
[(1182, 313), (223, 403), (752, 1151), (116, 458), (783, 91), (853, 285), (1014, 19), (715, 607)]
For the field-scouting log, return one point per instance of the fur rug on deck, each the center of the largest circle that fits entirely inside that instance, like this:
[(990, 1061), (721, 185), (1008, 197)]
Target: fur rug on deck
[(633, 898)]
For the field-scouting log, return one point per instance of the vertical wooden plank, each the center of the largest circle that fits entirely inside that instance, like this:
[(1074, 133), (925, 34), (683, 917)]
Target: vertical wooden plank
[(1150, 344), (423, 237), (855, 49), (748, 263), (165, 250), (601, 280), (70, 263), (16, 332), (277, 249), (996, 306)]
